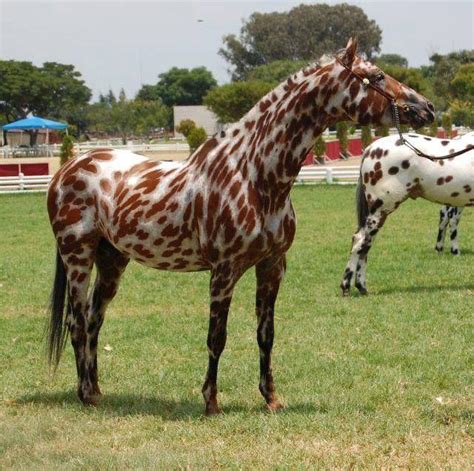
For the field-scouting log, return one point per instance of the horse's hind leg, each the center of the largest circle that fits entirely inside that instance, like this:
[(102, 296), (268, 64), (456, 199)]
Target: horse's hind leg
[(443, 224), (78, 263), (270, 273), (454, 218), (361, 243), (110, 264)]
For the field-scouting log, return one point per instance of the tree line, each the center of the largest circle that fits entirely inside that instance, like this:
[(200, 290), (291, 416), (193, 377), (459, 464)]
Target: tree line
[(269, 48)]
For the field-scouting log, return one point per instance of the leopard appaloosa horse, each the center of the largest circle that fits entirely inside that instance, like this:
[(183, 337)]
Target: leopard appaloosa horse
[(225, 209), (392, 172)]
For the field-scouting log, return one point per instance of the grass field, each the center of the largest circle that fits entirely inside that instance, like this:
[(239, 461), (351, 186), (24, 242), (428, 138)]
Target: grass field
[(377, 381)]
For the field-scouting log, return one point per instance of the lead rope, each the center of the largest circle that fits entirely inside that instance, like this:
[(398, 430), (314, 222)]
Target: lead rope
[(396, 121)]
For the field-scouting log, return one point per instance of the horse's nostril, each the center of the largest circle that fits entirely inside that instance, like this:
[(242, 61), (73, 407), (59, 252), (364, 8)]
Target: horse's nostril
[(430, 106)]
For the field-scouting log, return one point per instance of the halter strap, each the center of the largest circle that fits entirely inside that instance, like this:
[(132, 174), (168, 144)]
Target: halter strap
[(393, 102)]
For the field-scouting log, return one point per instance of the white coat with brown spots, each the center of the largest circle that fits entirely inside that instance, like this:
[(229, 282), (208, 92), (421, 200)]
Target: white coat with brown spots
[(391, 173), (226, 209)]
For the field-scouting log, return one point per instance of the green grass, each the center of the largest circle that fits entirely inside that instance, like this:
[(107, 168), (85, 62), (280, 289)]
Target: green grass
[(377, 381)]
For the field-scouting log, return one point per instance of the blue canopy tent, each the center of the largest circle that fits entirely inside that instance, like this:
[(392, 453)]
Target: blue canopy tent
[(35, 123)]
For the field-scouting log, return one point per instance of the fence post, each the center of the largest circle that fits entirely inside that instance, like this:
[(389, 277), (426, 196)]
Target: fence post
[(329, 179), (22, 183)]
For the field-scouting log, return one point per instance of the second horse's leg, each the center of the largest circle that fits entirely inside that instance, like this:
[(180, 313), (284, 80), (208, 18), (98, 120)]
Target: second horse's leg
[(443, 224), (454, 218), (269, 273)]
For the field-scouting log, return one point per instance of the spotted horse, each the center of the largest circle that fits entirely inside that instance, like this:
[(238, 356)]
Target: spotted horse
[(391, 173), (225, 209), (450, 216)]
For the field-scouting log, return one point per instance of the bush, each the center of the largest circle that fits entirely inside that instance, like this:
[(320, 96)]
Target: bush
[(67, 149), (319, 149), (366, 136), (185, 127), (462, 113), (341, 133), (447, 123), (196, 137), (383, 131)]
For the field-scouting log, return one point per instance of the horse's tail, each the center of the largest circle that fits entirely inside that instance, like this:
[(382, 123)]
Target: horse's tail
[(361, 203), (57, 329)]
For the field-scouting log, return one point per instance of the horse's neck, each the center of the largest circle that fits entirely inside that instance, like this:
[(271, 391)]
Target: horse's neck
[(269, 144)]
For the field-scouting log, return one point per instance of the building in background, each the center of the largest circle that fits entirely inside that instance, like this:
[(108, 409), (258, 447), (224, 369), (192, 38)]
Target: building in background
[(201, 115)]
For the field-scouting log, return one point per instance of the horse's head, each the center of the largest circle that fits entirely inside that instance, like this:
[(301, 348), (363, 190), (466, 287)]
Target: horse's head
[(367, 92)]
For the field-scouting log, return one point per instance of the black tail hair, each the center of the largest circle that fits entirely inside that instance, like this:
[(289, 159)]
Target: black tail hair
[(361, 203), (57, 329)]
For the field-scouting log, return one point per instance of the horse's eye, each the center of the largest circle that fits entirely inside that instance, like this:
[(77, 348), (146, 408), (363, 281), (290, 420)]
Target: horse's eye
[(379, 77)]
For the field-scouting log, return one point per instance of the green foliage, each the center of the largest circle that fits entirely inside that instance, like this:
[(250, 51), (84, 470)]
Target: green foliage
[(391, 60), (51, 90), (186, 126), (67, 149), (462, 112), (231, 101), (319, 149), (462, 85), (196, 137), (447, 123), (366, 136), (180, 87), (304, 33), (342, 135), (275, 72), (382, 131), (433, 129), (443, 71)]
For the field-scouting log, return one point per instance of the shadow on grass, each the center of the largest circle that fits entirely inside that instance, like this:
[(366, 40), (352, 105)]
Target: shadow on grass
[(168, 409), (423, 289)]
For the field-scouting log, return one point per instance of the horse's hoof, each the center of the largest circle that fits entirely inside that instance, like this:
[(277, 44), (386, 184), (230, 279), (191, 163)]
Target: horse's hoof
[(212, 409), (274, 406), (439, 249), (346, 291), (89, 401), (363, 291)]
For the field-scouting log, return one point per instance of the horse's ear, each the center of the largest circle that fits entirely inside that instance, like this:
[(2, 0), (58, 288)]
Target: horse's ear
[(350, 52)]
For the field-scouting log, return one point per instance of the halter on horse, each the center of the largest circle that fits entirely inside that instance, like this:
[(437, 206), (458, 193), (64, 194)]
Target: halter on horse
[(226, 209)]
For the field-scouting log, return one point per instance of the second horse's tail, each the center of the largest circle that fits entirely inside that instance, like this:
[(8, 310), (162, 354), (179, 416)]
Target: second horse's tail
[(361, 203)]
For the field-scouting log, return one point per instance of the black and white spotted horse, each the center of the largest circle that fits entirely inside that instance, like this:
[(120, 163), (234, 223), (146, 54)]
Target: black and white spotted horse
[(391, 173), (450, 216)]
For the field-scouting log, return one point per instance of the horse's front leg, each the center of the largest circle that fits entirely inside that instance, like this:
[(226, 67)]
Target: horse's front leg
[(221, 289), (269, 273), (443, 224), (454, 219)]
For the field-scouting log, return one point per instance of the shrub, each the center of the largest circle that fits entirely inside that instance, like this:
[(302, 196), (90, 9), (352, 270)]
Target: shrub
[(341, 133), (383, 131), (196, 137), (319, 149), (366, 136), (67, 149), (447, 123), (185, 127)]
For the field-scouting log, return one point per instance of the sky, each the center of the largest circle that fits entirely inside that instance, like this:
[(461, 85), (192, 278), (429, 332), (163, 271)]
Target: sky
[(126, 44)]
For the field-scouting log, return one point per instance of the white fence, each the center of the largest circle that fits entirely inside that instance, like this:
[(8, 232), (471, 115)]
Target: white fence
[(309, 174)]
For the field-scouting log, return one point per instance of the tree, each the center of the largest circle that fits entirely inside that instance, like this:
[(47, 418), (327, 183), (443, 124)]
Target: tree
[(231, 101), (186, 126), (462, 85), (149, 116), (304, 33), (196, 137), (276, 72), (180, 87), (462, 112), (51, 90), (392, 59), (442, 72)]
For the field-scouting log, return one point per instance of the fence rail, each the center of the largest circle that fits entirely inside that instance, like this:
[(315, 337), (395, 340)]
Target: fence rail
[(342, 175)]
